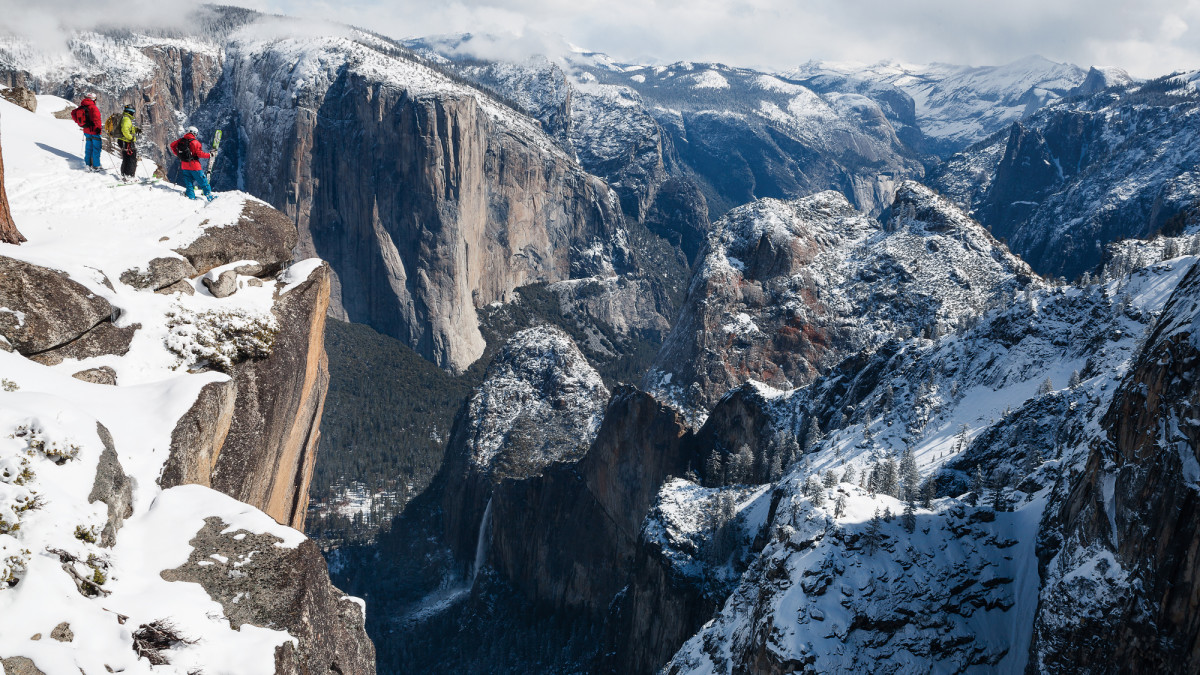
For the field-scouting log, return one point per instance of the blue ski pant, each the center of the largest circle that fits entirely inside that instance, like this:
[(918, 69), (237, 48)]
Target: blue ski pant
[(91, 150), (194, 179)]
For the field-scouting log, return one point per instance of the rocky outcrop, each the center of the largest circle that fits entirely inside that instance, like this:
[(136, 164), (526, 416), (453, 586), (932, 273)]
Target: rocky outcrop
[(20, 96), (41, 309), (8, 229), (786, 290), (112, 487), (539, 405), (199, 436), (260, 582), (569, 537), (269, 452), (1118, 557)]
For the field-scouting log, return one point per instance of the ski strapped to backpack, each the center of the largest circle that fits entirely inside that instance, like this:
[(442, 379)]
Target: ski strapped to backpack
[(215, 150)]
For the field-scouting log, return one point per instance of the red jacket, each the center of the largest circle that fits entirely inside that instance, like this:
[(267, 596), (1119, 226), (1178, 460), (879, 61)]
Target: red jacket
[(93, 123), (197, 150)]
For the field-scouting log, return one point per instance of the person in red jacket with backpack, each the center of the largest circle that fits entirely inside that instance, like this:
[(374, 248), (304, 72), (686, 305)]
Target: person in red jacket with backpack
[(190, 152), (87, 116)]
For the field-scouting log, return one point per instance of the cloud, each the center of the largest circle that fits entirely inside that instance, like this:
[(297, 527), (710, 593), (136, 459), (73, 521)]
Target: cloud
[(1149, 38)]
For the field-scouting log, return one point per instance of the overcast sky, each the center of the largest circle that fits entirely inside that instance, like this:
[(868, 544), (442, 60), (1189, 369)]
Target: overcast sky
[(1147, 37)]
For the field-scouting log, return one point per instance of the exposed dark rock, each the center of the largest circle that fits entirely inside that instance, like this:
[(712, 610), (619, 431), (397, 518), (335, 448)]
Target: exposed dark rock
[(537, 523), (112, 487), (199, 436), (45, 308), (101, 375), (104, 339), (1137, 503), (181, 286), (160, 273), (20, 96), (63, 633), (268, 455), (680, 215), (260, 583), (261, 234), (19, 665)]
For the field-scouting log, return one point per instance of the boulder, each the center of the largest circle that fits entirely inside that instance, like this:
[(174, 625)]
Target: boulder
[(260, 583), (41, 309), (63, 633), (223, 286), (261, 234), (104, 339), (160, 273), (101, 375)]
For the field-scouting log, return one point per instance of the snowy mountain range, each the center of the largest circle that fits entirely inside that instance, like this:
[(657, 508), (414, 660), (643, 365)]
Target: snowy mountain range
[(764, 372)]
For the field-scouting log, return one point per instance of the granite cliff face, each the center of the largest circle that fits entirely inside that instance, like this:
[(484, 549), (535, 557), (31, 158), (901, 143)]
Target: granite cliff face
[(428, 199), (1120, 577)]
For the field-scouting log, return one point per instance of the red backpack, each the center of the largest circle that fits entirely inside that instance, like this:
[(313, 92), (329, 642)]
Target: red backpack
[(80, 116)]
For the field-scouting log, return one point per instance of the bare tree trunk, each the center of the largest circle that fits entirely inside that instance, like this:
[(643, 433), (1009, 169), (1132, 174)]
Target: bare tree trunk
[(8, 229)]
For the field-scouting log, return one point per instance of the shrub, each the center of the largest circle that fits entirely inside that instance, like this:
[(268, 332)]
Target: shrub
[(220, 339)]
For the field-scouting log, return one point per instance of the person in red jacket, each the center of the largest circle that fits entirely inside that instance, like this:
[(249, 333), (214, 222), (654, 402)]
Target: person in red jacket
[(87, 116), (191, 174)]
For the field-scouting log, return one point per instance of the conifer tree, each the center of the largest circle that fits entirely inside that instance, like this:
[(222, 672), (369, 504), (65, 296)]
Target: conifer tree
[(910, 478), (909, 519), (873, 535), (976, 485), (839, 506), (831, 478)]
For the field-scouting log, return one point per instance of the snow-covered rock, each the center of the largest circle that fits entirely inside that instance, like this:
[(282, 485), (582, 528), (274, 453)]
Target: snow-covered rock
[(788, 289), (952, 106), (1081, 173), (853, 579)]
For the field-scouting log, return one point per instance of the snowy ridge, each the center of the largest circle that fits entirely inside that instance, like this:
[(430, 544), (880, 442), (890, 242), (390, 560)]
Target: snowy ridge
[(540, 403), (58, 433), (307, 66), (960, 104)]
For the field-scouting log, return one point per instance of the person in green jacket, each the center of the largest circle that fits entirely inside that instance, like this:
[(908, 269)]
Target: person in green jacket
[(127, 139)]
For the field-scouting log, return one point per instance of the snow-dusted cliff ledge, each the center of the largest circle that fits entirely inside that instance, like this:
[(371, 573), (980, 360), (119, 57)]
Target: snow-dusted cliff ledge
[(124, 306)]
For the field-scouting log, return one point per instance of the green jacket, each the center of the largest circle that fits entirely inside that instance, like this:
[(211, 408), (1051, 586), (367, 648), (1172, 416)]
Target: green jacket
[(129, 130)]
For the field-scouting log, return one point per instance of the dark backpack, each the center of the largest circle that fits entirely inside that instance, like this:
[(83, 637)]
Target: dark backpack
[(183, 150)]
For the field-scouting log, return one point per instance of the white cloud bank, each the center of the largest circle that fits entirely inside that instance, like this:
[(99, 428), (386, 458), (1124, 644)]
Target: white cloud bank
[(1148, 38)]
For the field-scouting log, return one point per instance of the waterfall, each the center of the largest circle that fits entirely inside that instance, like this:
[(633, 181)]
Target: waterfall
[(481, 542)]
